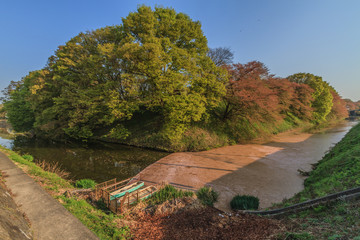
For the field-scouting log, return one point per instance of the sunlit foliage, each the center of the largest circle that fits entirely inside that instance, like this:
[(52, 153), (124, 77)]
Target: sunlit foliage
[(153, 81)]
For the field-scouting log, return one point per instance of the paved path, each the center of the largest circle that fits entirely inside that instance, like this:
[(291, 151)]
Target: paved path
[(49, 219)]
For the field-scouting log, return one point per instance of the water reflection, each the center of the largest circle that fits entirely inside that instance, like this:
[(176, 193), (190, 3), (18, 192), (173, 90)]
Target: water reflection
[(98, 161)]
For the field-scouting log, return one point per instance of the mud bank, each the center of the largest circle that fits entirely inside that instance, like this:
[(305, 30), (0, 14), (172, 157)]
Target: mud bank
[(268, 171)]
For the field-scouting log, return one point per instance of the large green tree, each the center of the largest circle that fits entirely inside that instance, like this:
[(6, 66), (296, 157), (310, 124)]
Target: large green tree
[(322, 98), (18, 107), (155, 61)]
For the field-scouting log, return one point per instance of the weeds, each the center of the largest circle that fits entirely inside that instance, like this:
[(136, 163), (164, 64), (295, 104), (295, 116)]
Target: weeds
[(207, 196), (54, 168), (166, 193), (85, 183), (48, 178), (244, 202), (102, 224), (28, 157)]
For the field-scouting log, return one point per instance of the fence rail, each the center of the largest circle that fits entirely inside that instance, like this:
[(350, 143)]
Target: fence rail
[(119, 204)]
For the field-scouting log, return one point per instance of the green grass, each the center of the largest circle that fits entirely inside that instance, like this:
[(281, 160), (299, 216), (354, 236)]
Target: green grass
[(145, 130), (244, 202), (85, 183), (98, 221), (102, 224), (49, 178), (207, 196), (338, 170), (166, 193), (28, 157)]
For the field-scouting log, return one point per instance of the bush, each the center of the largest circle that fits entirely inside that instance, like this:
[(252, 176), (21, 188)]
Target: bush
[(85, 183), (207, 196), (168, 192), (244, 202), (28, 157)]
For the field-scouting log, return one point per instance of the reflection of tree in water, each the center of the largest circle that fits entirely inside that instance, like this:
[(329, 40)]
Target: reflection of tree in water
[(97, 161)]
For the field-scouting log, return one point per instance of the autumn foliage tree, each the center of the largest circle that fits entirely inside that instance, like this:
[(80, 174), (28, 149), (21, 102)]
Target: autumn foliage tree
[(247, 95), (256, 94), (338, 110)]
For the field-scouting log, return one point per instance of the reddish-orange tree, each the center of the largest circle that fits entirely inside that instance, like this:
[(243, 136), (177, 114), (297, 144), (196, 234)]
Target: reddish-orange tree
[(294, 98), (339, 110), (248, 95)]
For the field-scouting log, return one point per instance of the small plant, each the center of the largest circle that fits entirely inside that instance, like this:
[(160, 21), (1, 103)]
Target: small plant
[(207, 196), (54, 168), (168, 192), (298, 236), (85, 183), (244, 202), (28, 157)]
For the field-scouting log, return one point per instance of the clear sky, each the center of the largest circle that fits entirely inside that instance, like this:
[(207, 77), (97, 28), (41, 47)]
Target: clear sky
[(289, 36)]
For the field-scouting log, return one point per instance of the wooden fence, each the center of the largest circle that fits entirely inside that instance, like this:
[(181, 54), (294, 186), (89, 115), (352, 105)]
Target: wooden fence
[(103, 190), (128, 199)]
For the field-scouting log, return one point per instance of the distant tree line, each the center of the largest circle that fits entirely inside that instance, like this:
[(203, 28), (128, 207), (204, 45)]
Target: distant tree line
[(158, 61)]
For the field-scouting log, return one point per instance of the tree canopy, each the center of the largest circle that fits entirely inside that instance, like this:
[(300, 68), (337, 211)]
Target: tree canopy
[(157, 64), (156, 60), (323, 99)]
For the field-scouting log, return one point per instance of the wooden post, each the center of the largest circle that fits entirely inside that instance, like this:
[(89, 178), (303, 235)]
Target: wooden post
[(108, 198), (122, 202), (116, 205)]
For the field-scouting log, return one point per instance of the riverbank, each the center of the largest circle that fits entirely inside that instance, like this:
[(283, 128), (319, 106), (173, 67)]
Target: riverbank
[(144, 225), (338, 170), (211, 223), (268, 171), (14, 224), (100, 222)]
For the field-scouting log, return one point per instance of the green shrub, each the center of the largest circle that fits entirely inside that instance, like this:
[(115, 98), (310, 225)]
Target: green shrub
[(244, 202), (85, 183), (168, 192), (298, 236), (28, 157), (207, 196)]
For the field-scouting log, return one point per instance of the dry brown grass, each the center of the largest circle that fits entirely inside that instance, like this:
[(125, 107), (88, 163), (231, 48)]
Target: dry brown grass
[(54, 168)]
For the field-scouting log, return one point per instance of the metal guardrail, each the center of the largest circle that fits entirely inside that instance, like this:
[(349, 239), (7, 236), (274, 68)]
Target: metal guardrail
[(344, 195)]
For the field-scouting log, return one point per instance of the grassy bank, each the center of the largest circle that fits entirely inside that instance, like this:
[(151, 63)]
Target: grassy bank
[(103, 224), (145, 131), (337, 171)]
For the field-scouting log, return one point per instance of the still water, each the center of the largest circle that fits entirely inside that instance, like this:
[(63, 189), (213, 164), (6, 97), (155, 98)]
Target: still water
[(277, 162), (97, 161)]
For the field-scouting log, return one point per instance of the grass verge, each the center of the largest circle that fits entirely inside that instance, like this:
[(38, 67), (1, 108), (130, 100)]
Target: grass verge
[(103, 224), (337, 171)]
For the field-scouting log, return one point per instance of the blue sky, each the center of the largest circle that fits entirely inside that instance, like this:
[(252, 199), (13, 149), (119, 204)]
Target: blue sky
[(320, 37)]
